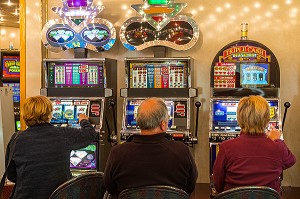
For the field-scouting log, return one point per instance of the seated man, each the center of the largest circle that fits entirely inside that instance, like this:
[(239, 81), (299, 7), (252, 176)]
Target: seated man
[(150, 158)]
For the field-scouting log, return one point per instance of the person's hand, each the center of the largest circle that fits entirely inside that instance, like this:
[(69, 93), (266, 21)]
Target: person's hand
[(82, 117), (274, 134)]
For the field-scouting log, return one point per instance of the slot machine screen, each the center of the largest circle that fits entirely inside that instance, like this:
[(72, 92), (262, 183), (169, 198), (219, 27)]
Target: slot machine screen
[(15, 90), (131, 113), (65, 112), (10, 66), (254, 74), (85, 158), (171, 74), (75, 74), (274, 113), (18, 125), (224, 115)]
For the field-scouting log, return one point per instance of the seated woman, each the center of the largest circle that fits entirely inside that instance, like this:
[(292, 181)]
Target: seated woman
[(255, 157), (41, 157)]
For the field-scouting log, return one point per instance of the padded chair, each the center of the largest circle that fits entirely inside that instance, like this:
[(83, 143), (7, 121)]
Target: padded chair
[(153, 192), (85, 186), (249, 192)]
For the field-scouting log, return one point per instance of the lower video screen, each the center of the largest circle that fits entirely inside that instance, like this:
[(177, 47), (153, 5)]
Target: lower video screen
[(132, 108), (85, 158), (224, 113)]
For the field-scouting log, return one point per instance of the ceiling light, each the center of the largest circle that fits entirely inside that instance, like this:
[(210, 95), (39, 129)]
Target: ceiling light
[(288, 1), (3, 32), (257, 5), (219, 9), (275, 7), (9, 3), (16, 12), (233, 17), (293, 13), (201, 8), (99, 3), (12, 35), (194, 12), (268, 14), (124, 7), (227, 5)]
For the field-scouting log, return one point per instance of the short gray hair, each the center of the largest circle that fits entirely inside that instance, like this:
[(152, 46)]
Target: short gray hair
[(151, 118)]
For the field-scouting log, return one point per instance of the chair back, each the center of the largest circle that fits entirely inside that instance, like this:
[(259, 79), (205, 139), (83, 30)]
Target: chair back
[(85, 186), (249, 192), (153, 192)]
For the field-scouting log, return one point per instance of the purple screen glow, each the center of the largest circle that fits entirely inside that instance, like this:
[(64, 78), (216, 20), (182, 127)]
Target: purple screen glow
[(77, 3)]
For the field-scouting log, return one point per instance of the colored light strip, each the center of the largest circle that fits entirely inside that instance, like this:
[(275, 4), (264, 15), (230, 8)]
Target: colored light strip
[(158, 2), (158, 10), (77, 3)]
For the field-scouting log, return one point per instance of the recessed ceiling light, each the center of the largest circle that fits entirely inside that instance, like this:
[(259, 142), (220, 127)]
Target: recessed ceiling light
[(275, 7), (257, 5), (3, 32), (124, 7), (9, 3), (219, 9), (227, 5), (201, 8)]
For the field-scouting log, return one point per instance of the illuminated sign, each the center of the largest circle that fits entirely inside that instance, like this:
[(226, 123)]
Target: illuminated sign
[(159, 25), (11, 66), (244, 51), (78, 28)]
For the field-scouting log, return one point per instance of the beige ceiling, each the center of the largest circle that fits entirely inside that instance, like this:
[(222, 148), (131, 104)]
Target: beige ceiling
[(8, 13)]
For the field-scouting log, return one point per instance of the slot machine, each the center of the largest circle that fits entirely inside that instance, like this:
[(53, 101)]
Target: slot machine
[(167, 78), (82, 85), (85, 86), (241, 68), (10, 77), (157, 25)]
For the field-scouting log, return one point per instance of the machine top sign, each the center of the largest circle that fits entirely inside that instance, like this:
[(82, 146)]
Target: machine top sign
[(159, 25), (78, 28), (158, 13)]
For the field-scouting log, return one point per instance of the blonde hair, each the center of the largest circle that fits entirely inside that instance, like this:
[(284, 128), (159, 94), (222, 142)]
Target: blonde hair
[(36, 110), (253, 114)]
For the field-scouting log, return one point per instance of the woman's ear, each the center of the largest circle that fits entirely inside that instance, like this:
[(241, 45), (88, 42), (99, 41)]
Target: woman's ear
[(49, 117)]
